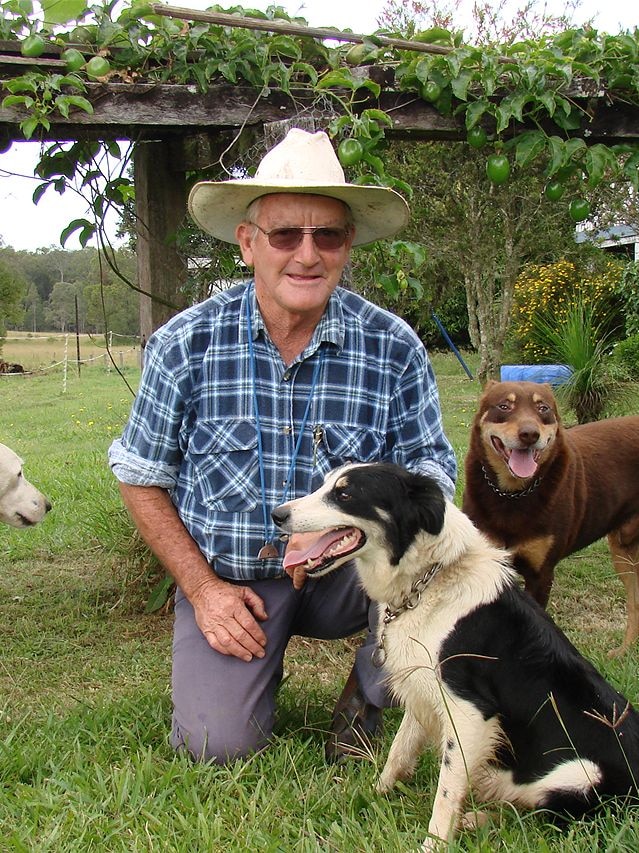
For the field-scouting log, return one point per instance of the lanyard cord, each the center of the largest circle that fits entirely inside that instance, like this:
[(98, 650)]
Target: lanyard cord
[(256, 412)]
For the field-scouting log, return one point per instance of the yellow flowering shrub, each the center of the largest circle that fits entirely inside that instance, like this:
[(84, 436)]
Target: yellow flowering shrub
[(552, 289)]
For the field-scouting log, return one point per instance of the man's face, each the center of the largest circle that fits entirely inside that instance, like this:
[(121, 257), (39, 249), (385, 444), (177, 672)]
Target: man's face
[(300, 280)]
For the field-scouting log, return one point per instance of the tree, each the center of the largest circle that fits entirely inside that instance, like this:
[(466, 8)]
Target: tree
[(12, 288), (480, 231), (61, 308), (112, 307), (479, 236), (33, 309)]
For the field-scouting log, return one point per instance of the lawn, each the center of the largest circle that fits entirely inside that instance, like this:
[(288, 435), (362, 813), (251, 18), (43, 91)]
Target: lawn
[(85, 762)]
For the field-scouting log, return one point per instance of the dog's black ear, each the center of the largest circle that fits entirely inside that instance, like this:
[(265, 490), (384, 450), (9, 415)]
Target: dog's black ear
[(422, 511), (426, 506)]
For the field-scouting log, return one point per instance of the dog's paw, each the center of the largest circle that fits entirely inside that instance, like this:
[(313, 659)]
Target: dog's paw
[(474, 820), (384, 785), (432, 843), (618, 652)]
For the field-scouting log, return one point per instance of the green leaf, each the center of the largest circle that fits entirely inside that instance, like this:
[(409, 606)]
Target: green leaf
[(28, 126), (460, 85), (557, 154), (18, 101), (159, 595), (40, 191), (376, 163), (416, 286), (62, 11), (574, 146), (631, 170), (284, 46), (528, 146), (306, 70), (475, 111), (83, 225), (390, 284), (416, 251), (549, 101), (434, 35), (503, 115), (598, 159), (340, 79), (73, 81), (517, 104), (423, 69), (378, 116), (401, 186), (113, 148), (21, 84), (80, 103), (371, 85), (338, 124)]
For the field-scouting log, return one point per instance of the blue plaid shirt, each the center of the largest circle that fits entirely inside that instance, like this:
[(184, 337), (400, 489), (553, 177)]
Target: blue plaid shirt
[(192, 428)]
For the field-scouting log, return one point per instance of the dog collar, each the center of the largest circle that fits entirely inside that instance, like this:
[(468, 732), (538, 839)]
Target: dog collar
[(408, 602), (522, 494)]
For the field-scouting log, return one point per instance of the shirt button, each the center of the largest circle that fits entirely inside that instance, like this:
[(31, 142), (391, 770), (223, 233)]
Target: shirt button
[(287, 376), (287, 430)]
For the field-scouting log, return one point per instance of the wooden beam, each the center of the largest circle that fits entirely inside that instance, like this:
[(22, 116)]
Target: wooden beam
[(155, 110), (289, 28)]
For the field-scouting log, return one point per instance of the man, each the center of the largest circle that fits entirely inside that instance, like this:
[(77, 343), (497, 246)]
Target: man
[(247, 400)]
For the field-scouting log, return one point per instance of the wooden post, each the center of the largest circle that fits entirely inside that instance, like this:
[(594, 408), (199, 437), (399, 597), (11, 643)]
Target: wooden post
[(77, 332), (160, 204)]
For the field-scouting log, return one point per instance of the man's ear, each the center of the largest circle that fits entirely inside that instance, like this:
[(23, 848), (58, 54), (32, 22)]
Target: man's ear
[(244, 236)]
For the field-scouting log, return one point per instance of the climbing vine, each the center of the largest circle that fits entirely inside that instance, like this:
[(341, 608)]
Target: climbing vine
[(522, 102)]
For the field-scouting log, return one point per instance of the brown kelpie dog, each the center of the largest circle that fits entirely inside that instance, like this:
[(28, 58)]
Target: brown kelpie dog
[(544, 492)]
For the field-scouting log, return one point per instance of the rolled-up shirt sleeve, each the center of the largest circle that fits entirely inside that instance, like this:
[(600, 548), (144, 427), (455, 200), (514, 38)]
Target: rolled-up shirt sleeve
[(148, 453)]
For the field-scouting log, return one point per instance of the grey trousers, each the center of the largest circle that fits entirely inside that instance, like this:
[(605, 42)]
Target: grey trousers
[(223, 707)]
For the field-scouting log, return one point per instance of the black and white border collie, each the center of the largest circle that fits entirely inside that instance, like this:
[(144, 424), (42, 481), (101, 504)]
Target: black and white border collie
[(482, 671)]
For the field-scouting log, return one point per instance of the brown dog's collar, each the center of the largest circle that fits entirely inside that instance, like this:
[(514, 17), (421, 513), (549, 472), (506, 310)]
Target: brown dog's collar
[(528, 490)]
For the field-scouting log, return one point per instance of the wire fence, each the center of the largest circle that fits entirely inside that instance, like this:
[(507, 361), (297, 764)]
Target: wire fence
[(29, 356)]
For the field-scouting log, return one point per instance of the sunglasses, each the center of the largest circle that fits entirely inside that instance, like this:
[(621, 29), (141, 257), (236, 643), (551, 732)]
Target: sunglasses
[(286, 239)]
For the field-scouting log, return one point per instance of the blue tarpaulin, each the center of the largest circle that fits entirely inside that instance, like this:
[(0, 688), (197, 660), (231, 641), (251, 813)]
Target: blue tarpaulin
[(555, 374)]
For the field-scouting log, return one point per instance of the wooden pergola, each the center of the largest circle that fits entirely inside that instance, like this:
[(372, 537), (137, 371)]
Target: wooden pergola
[(178, 129)]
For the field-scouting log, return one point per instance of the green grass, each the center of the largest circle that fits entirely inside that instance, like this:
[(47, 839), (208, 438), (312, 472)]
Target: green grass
[(85, 762)]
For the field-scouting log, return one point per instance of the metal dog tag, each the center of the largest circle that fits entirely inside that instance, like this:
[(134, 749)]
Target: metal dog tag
[(267, 552), (379, 657)]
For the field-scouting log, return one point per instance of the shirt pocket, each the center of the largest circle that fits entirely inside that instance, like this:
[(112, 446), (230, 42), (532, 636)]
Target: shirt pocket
[(344, 444), (225, 467)]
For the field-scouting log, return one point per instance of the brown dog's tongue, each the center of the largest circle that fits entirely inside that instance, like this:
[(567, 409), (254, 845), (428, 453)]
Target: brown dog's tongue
[(522, 463)]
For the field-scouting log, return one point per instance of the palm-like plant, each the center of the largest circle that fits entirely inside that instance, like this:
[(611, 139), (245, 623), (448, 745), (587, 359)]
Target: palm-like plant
[(583, 343)]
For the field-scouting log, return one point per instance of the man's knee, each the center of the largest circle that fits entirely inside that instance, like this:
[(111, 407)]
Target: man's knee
[(209, 744)]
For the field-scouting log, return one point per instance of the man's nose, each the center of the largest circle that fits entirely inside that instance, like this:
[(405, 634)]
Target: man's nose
[(307, 251)]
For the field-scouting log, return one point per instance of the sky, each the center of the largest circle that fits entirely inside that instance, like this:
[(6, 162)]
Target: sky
[(24, 225)]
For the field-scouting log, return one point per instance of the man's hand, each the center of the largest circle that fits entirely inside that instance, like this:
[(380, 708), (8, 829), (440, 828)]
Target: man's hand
[(226, 614)]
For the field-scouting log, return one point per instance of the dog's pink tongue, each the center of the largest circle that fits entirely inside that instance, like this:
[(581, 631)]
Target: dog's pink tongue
[(315, 549), (522, 463)]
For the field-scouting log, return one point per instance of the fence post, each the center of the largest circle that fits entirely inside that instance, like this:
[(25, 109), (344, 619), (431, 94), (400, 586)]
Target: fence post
[(66, 363)]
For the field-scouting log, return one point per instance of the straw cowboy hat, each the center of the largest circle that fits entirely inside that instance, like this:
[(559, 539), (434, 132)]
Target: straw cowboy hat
[(302, 163)]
